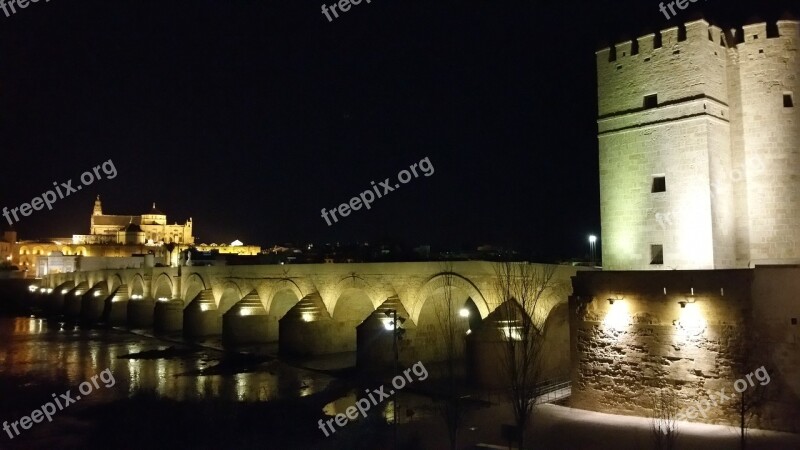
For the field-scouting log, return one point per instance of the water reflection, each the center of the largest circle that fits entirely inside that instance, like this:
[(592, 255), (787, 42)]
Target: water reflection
[(45, 350)]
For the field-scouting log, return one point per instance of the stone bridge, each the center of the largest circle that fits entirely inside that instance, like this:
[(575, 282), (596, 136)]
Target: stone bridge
[(308, 309)]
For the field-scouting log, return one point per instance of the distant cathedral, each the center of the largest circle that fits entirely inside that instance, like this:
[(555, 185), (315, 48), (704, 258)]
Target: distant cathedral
[(699, 148), (149, 228)]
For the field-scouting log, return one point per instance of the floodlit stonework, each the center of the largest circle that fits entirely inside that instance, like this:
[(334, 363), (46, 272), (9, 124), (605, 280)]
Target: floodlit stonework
[(698, 131), (309, 309), (691, 332)]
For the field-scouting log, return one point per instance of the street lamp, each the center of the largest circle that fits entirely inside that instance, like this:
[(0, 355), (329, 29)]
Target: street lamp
[(592, 243)]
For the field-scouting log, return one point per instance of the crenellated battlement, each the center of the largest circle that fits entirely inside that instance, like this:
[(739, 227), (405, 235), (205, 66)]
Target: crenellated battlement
[(698, 130), (685, 36)]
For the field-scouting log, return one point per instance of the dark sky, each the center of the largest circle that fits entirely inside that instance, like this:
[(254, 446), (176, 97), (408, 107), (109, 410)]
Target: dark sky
[(251, 116)]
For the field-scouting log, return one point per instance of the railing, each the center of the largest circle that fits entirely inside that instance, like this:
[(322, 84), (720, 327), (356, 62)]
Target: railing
[(546, 392), (552, 390)]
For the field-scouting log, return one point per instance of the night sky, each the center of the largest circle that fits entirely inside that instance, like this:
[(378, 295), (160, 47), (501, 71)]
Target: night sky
[(252, 116)]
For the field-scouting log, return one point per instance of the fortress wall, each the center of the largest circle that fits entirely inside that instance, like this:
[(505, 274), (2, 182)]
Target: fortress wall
[(633, 218), (768, 69), (738, 175), (723, 206), (683, 137), (623, 353), (677, 70), (746, 200)]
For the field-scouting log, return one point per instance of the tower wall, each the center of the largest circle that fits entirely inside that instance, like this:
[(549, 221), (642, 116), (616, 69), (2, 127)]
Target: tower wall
[(681, 135), (769, 68), (719, 134)]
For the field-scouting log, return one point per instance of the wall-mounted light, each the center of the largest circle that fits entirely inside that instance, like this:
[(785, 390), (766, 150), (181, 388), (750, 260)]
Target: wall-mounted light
[(690, 299), (615, 298), (463, 312)]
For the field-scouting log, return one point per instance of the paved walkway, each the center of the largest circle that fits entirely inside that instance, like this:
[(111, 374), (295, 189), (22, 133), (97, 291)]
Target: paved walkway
[(559, 427)]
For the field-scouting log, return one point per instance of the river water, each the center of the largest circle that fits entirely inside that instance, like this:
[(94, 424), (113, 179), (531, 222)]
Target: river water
[(47, 352)]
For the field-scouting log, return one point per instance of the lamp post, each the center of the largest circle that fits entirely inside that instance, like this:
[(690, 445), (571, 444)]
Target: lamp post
[(592, 243)]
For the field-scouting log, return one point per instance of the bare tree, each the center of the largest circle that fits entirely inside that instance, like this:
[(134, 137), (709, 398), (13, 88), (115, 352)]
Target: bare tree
[(745, 360), (452, 330), (664, 425), (524, 292)]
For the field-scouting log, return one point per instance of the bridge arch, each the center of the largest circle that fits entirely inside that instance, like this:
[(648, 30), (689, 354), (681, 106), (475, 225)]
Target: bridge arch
[(353, 304), (162, 288), (194, 284), (438, 282), (137, 285), (280, 299), (447, 303), (231, 294), (114, 282)]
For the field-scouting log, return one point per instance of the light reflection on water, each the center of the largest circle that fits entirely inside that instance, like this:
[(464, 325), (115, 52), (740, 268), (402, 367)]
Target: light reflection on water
[(43, 350)]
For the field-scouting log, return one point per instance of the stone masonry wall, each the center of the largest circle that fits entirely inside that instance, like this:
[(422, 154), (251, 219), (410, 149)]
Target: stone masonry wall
[(720, 134), (622, 353)]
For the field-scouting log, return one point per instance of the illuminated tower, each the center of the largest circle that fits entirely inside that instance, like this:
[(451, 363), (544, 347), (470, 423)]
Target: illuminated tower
[(697, 136), (98, 207)]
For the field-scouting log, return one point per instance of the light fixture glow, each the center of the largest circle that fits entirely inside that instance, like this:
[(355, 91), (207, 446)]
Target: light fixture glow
[(617, 318), (163, 299), (463, 312), (49, 290), (307, 317), (510, 332), (592, 238), (248, 311), (691, 322)]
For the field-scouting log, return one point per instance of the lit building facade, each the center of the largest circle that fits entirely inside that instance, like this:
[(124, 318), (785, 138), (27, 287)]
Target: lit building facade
[(152, 226), (235, 248), (112, 236), (698, 134)]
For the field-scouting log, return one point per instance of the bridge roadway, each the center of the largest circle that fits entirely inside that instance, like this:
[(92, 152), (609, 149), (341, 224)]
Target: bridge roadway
[(309, 309)]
